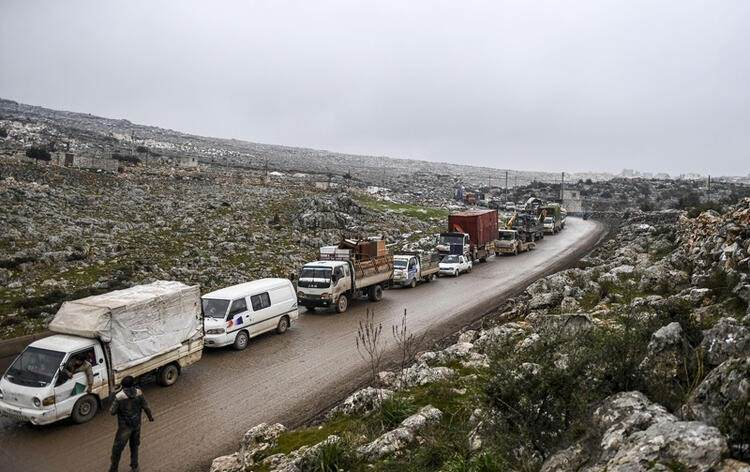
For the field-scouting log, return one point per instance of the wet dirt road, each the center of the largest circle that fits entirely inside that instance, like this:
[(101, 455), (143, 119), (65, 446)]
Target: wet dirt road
[(288, 378)]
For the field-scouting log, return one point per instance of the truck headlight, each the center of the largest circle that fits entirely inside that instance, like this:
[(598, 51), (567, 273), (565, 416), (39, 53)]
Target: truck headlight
[(37, 402), (300, 294), (325, 296), (49, 401), (215, 331)]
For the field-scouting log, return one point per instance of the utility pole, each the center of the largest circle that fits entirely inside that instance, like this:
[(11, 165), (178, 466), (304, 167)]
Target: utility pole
[(709, 187), (562, 186), (506, 185)]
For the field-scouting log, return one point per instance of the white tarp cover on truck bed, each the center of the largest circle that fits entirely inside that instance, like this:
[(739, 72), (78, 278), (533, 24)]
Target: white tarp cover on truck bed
[(138, 323)]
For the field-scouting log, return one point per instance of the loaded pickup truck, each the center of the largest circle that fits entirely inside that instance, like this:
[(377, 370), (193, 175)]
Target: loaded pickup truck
[(511, 242), (343, 273), (153, 329), (410, 268)]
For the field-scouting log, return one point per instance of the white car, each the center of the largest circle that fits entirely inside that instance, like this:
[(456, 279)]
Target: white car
[(455, 265), (233, 315)]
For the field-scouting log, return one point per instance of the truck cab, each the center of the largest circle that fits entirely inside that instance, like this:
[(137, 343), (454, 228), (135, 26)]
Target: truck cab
[(454, 243), (321, 284), (406, 270), (35, 387)]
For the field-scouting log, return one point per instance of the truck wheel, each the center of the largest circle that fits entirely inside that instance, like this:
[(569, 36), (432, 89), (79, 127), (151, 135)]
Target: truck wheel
[(376, 293), (84, 409), (483, 259), (283, 325), (241, 341), (168, 375), (413, 283), (342, 304)]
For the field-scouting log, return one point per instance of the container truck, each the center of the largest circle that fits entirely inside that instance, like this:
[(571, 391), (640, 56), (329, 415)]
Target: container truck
[(147, 329), (470, 233), (345, 272), (410, 268)]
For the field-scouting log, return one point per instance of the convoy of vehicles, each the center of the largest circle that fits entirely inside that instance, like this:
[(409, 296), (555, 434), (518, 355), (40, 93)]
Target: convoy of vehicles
[(158, 329), (409, 269), (511, 242), (346, 272), (233, 315), (455, 265), (147, 329)]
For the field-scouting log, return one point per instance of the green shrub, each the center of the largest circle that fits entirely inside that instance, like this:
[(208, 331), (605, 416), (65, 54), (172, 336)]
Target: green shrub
[(126, 158), (330, 457), (543, 395), (38, 153), (3, 133), (485, 462), (394, 410)]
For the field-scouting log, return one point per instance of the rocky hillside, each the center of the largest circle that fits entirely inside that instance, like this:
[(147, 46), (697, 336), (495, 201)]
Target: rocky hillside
[(638, 359), (26, 125), (69, 233)]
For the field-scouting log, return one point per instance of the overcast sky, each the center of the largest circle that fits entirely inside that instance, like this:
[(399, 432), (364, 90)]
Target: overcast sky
[(576, 85)]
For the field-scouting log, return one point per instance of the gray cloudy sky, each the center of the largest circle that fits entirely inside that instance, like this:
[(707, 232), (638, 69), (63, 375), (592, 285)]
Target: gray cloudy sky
[(577, 85)]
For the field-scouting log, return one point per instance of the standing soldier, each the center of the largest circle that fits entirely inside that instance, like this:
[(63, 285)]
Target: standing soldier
[(128, 405)]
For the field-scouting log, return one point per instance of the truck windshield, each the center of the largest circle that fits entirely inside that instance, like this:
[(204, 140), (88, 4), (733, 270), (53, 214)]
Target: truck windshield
[(450, 259), (549, 219), (506, 236), (315, 273), (399, 264), (35, 367), (451, 239), (214, 308)]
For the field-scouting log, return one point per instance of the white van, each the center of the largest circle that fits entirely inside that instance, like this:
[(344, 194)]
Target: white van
[(233, 315)]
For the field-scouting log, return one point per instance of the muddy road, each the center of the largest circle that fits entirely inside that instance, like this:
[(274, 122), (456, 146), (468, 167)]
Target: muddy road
[(280, 378)]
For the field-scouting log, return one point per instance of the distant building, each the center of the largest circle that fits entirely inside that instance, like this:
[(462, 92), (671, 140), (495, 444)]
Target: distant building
[(572, 201), (459, 192)]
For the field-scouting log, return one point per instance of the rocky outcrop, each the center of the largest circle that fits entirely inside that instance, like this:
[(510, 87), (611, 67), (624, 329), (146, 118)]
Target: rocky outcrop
[(362, 402), (630, 433), (394, 441), (723, 386), (725, 340)]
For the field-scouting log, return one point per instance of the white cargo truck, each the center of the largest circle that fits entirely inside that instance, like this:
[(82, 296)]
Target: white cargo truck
[(510, 241), (342, 275), (147, 329), (410, 268)]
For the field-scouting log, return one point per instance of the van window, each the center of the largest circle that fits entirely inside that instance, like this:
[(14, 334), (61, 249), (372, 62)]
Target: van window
[(238, 306), (260, 301)]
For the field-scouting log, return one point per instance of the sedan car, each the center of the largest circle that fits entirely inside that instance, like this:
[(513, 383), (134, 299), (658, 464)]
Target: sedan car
[(455, 265)]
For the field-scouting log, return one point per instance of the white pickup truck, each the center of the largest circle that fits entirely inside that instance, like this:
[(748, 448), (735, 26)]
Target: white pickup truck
[(411, 268), (339, 278), (147, 329)]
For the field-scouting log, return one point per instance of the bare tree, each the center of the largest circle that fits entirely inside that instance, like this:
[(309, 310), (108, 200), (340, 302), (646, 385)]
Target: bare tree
[(408, 344), (370, 343)]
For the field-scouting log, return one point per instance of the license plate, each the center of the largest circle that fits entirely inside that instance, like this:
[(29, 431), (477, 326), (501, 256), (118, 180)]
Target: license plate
[(13, 415)]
